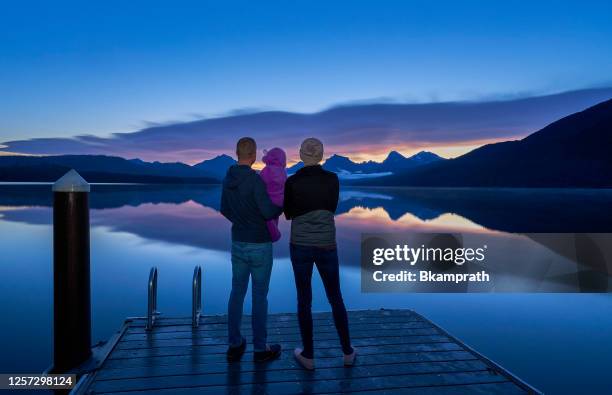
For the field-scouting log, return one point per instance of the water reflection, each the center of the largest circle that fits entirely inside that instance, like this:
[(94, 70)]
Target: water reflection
[(188, 215), (508, 210)]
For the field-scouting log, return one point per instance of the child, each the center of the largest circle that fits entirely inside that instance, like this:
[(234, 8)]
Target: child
[(274, 176)]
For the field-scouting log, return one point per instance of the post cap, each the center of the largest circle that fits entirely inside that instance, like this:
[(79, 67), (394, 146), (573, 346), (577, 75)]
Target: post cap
[(71, 182)]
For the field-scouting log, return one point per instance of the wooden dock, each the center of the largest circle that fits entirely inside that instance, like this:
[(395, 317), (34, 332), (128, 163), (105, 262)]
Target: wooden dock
[(399, 352)]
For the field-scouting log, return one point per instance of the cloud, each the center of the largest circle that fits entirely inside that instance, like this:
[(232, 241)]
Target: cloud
[(358, 130)]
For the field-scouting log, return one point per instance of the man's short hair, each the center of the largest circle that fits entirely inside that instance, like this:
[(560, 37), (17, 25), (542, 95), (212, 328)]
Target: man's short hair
[(246, 147)]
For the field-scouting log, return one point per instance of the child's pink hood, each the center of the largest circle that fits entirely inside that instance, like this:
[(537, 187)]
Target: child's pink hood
[(275, 157)]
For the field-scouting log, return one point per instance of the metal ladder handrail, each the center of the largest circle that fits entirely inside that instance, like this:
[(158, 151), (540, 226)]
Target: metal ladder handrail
[(196, 297), (152, 299)]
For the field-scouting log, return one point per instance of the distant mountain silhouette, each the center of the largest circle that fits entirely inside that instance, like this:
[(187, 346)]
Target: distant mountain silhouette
[(575, 151), (217, 167), (101, 168), (394, 162), (345, 128), (98, 168), (294, 168), (338, 163)]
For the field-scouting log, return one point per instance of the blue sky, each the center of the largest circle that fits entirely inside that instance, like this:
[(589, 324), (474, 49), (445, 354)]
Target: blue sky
[(80, 68)]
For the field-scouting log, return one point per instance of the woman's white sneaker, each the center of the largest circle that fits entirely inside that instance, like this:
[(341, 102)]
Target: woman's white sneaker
[(306, 363), (349, 359)]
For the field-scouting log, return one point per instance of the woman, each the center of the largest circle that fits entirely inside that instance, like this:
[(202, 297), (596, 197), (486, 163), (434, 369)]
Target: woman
[(311, 199)]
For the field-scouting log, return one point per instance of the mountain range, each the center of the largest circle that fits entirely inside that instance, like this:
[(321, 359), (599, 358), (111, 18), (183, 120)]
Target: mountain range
[(217, 166), (101, 168), (393, 163), (575, 151)]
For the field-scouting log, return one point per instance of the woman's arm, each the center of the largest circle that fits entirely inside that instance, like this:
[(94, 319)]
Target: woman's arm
[(335, 193), (288, 205)]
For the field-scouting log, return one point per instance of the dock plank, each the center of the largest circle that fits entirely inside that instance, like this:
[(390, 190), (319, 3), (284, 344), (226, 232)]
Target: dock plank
[(370, 323), (400, 352), (219, 358), (374, 346), (503, 388), (247, 365), (344, 385), (320, 333), (263, 376), (357, 316), (216, 329), (288, 339)]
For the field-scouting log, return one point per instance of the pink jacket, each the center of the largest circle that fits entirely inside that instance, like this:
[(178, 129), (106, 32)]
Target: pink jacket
[(274, 174)]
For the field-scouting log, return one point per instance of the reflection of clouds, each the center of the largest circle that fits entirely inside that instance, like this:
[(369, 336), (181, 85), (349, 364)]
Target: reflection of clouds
[(188, 215), (514, 211), (29, 215), (10, 208), (347, 175), (379, 217), (522, 261), (187, 223), (193, 224), (450, 222), (359, 220), (353, 194)]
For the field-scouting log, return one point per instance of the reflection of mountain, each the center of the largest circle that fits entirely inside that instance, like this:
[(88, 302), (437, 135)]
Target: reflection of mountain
[(395, 208), (572, 152), (114, 196), (189, 216), (510, 210)]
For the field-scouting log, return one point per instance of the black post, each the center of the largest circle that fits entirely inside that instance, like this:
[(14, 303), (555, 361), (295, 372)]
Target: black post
[(71, 292)]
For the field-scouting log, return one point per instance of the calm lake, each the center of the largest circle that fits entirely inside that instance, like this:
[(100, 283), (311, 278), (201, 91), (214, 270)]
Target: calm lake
[(558, 342)]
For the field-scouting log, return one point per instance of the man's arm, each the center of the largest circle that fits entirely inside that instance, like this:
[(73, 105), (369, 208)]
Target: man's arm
[(225, 210), (267, 209)]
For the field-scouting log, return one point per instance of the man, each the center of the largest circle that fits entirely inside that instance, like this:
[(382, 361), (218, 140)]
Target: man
[(246, 204), (311, 199)]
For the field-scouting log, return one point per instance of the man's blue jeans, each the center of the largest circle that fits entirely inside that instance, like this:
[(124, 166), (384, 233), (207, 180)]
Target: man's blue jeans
[(252, 260)]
